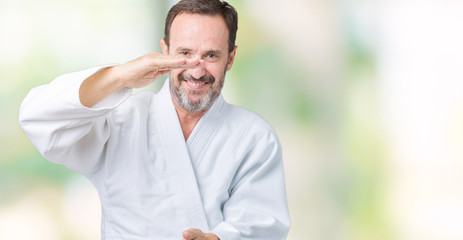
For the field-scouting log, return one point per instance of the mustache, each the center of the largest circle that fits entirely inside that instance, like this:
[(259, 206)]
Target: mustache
[(188, 77)]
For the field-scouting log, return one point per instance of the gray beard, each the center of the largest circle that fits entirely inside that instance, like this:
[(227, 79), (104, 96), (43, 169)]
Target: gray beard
[(204, 103), (182, 99)]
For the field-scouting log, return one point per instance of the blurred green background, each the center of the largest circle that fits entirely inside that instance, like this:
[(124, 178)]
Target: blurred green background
[(366, 97)]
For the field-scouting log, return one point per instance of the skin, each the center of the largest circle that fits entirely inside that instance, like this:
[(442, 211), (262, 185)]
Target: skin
[(196, 234), (205, 38), (134, 74), (198, 47)]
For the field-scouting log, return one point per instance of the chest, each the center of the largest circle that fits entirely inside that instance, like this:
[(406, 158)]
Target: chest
[(139, 154)]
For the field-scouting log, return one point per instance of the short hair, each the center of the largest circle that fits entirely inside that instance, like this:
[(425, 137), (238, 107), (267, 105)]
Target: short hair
[(205, 7)]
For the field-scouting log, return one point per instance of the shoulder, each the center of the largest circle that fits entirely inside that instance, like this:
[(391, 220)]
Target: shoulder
[(257, 145), (247, 118), (252, 127)]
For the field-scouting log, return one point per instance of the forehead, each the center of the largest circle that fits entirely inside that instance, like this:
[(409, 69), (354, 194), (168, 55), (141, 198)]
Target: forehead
[(199, 31)]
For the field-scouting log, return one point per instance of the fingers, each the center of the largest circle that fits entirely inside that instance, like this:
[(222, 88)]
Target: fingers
[(144, 70), (196, 234), (192, 234), (167, 62)]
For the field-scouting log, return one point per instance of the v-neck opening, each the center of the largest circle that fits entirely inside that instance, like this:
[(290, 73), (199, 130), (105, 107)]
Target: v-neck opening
[(205, 129)]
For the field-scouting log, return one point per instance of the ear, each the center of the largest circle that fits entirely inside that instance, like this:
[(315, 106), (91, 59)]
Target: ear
[(164, 47), (231, 58)]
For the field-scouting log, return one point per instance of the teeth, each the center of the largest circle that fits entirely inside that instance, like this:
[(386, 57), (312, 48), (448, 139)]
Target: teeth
[(196, 84)]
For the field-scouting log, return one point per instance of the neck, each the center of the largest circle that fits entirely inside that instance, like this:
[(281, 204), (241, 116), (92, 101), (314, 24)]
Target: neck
[(188, 120)]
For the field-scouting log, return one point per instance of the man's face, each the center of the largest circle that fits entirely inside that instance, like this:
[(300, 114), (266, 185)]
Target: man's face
[(206, 38)]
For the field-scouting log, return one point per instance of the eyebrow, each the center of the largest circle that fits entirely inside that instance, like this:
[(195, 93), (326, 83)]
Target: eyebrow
[(215, 52), (184, 49)]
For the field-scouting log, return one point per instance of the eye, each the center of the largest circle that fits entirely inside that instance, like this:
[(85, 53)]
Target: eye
[(211, 57), (184, 53)]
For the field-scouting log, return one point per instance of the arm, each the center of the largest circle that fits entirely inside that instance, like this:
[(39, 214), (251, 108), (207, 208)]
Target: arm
[(60, 127), (257, 207), (66, 119)]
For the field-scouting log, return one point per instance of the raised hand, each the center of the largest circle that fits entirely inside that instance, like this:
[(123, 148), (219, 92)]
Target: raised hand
[(133, 74), (144, 70)]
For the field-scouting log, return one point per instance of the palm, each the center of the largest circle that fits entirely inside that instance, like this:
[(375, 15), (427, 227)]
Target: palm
[(145, 70)]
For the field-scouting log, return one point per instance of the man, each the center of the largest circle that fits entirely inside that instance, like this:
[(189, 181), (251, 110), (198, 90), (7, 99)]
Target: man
[(180, 163)]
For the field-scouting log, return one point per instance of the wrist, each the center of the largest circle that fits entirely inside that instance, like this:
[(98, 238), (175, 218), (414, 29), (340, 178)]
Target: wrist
[(115, 81)]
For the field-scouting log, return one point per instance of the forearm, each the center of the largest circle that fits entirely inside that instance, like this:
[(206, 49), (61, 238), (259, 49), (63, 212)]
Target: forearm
[(256, 208), (99, 85)]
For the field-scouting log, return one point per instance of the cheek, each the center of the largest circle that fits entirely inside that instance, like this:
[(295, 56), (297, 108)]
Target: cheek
[(216, 69)]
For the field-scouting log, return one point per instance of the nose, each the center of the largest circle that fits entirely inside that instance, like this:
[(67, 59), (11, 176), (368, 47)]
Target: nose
[(198, 71)]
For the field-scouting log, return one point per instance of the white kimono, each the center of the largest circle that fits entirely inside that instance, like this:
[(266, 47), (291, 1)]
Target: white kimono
[(226, 179)]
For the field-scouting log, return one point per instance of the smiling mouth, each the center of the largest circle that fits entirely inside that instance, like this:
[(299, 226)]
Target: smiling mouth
[(196, 85)]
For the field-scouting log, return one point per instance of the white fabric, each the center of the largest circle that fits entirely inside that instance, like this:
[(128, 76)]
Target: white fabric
[(226, 179)]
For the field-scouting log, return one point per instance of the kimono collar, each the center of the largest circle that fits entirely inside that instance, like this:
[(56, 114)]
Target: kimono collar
[(207, 126)]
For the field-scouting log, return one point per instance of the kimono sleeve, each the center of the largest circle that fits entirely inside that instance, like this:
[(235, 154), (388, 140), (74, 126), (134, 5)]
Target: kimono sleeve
[(61, 128), (257, 207)]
